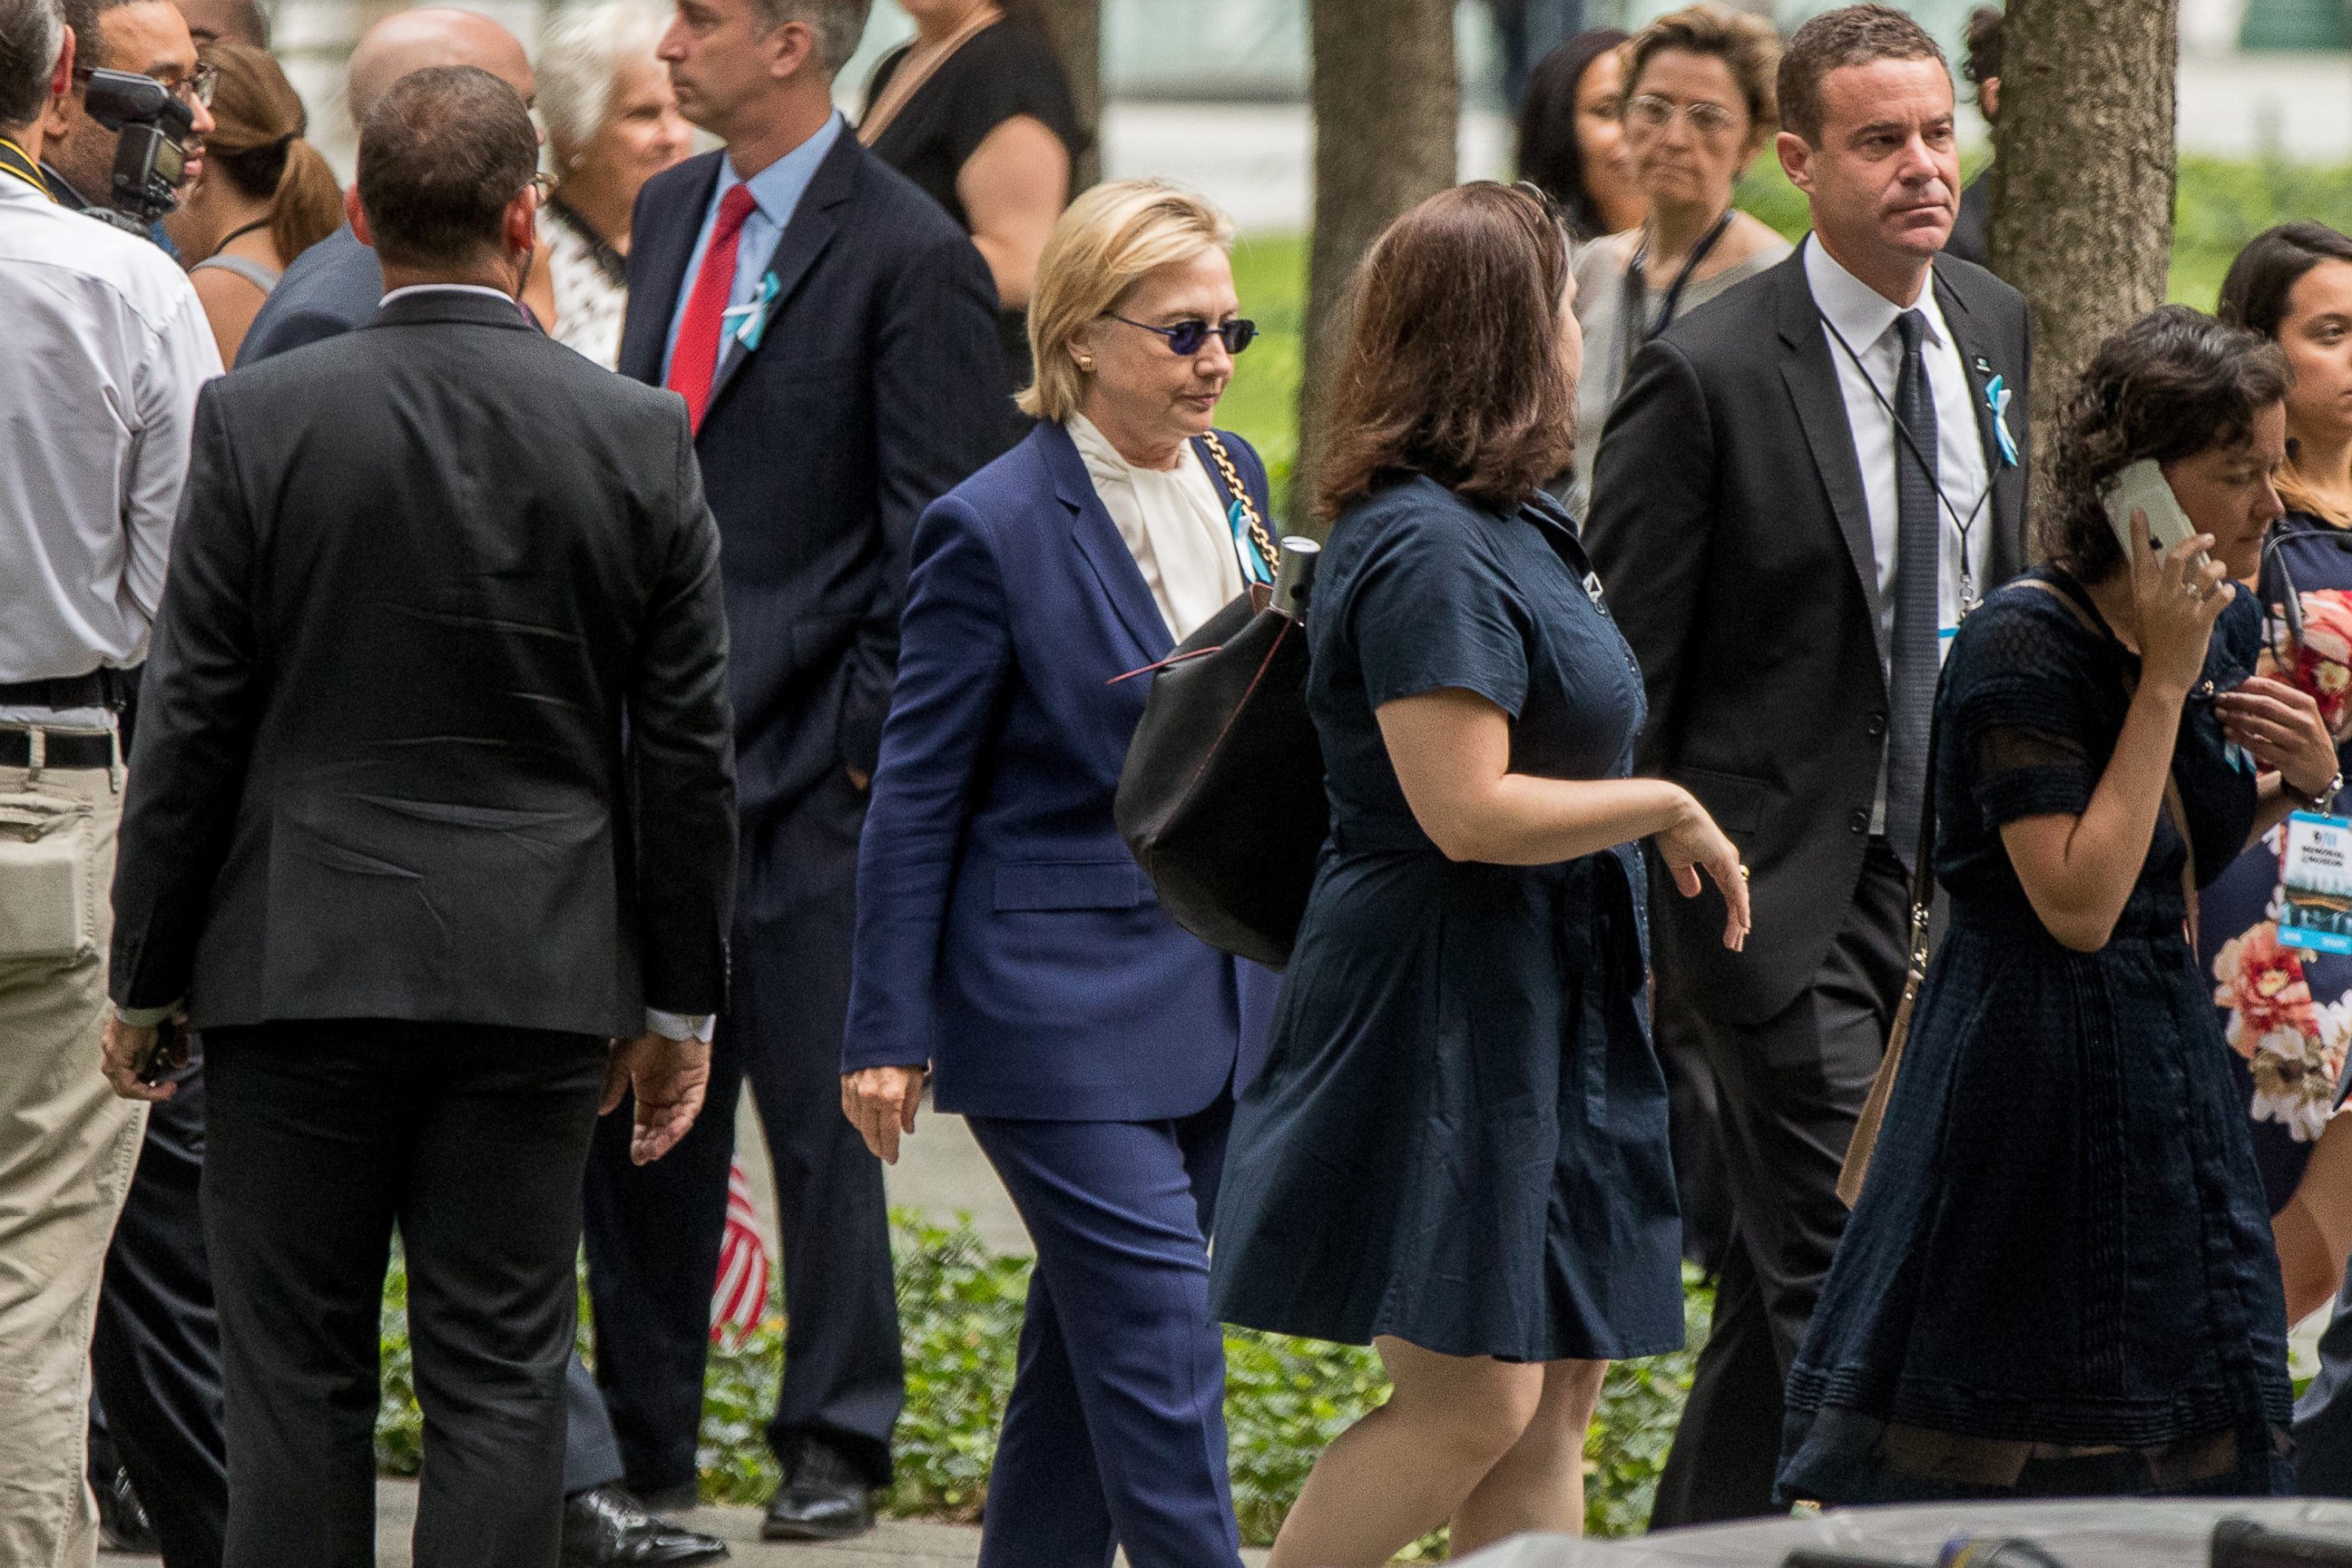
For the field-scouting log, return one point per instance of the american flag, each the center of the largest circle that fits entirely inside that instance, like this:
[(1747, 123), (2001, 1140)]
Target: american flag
[(741, 1294)]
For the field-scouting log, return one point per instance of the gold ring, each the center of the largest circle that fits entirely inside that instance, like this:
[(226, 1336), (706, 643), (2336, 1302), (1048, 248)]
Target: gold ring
[(1743, 873)]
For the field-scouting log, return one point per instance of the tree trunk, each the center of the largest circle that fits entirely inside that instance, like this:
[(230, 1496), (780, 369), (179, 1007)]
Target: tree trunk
[(1076, 28), (2083, 181), (1387, 99)]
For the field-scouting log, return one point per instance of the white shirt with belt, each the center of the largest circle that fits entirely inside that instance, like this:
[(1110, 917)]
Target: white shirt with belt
[(103, 350), (1865, 319)]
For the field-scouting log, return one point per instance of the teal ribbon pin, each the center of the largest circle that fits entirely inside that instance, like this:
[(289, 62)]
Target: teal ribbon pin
[(1997, 396), (1252, 569), (749, 321)]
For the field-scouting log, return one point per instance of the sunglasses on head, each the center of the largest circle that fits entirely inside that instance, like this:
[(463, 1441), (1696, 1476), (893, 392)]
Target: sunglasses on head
[(1186, 337)]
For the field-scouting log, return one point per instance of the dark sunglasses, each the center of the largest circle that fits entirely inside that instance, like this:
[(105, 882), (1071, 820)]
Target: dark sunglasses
[(1186, 337)]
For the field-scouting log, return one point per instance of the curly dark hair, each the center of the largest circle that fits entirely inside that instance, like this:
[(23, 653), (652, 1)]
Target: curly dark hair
[(1453, 365), (2172, 385)]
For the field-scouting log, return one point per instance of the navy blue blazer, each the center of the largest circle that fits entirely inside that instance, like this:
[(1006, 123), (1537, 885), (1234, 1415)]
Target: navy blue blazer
[(331, 288), (1005, 934), (878, 386)]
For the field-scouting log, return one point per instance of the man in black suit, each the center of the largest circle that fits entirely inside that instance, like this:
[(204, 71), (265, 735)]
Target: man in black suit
[(833, 332), (1804, 486), (442, 666)]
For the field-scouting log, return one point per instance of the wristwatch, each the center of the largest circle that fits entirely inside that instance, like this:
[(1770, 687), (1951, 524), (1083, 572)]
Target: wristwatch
[(2320, 801)]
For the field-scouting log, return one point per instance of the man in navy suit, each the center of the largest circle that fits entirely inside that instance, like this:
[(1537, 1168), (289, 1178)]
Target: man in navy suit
[(833, 334)]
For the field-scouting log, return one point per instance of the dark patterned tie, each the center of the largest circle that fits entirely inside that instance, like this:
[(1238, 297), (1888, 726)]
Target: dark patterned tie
[(1918, 567)]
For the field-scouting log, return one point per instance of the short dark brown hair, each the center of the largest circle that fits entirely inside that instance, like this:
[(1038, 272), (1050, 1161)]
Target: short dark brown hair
[(1745, 43), (1853, 35), (1453, 365), (2255, 294), (442, 154), (2172, 385)]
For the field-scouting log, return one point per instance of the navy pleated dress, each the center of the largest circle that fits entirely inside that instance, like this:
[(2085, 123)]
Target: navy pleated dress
[(1459, 1137), (2060, 1279)]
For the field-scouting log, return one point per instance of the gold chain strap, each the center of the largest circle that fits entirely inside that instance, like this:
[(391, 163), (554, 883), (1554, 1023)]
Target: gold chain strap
[(1258, 536)]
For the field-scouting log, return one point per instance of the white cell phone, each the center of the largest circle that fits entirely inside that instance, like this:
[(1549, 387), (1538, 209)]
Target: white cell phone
[(2142, 485)]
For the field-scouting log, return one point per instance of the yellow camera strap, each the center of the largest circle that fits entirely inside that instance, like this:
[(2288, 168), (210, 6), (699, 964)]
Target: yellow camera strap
[(15, 160)]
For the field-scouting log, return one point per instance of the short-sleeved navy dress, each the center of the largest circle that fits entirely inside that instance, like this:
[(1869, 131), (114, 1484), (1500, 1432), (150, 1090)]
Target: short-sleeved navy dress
[(1459, 1137), (2060, 1278)]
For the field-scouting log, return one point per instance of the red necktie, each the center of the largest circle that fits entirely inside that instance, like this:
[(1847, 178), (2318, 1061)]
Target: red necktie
[(694, 360)]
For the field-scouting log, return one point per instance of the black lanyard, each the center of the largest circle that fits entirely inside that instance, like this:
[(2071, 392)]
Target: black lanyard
[(14, 161), (1638, 330), (1927, 469)]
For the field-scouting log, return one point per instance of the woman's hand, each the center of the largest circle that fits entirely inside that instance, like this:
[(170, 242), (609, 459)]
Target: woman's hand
[(2280, 724), (2176, 601), (1694, 844), (880, 1103)]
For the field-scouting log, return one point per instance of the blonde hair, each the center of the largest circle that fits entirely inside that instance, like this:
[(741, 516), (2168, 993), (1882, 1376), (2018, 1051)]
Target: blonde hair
[(581, 53), (1106, 242)]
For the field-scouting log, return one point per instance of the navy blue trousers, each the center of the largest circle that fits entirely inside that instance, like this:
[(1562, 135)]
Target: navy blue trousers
[(1115, 1431)]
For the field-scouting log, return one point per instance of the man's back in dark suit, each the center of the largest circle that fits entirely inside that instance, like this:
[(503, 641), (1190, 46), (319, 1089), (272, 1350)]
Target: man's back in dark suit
[(876, 384), (1755, 500), (442, 666)]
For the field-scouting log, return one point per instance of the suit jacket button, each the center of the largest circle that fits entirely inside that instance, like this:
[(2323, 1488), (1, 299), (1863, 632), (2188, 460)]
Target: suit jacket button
[(1874, 726), (1860, 821)]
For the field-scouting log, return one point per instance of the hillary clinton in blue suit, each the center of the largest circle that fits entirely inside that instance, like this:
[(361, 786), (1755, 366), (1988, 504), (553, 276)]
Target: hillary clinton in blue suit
[(1008, 943)]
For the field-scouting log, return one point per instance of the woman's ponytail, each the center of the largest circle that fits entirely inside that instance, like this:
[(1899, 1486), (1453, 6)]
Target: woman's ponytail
[(309, 204)]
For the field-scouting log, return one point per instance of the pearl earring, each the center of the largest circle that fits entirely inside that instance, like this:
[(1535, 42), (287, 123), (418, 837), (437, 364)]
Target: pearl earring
[(1087, 364)]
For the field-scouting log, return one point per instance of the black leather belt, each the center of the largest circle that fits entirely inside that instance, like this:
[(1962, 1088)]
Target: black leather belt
[(63, 751), (98, 689)]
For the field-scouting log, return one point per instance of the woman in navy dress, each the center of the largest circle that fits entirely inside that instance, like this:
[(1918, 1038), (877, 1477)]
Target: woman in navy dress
[(2058, 1280), (1458, 1149), (1008, 945)]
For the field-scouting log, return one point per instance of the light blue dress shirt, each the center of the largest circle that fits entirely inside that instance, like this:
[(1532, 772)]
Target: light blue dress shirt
[(776, 192)]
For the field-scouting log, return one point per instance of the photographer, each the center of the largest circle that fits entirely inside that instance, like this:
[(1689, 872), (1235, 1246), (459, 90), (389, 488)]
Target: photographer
[(105, 348), (144, 37)]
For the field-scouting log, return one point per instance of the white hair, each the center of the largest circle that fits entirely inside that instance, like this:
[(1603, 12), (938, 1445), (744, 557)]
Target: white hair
[(31, 34), (581, 53)]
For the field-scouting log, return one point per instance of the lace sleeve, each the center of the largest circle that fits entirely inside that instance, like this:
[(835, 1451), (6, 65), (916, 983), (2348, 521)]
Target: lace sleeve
[(2018, 713)]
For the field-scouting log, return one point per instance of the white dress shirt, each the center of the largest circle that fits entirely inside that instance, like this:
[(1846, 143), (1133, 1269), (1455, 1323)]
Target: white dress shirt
[(1864, 318), (1174, 525), (103, 346)]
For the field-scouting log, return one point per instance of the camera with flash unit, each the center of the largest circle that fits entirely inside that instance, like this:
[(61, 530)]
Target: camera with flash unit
[(152, 125)]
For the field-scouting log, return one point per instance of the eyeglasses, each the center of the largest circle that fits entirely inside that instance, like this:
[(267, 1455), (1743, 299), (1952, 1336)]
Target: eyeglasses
[(1711, 121), (1185, 338), (194, 91)]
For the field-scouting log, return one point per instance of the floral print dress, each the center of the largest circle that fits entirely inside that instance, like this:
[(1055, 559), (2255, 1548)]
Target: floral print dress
[(2286, 1013)]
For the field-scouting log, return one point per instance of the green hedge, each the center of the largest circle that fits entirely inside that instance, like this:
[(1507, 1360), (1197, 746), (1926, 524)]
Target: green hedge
[(959, 1308)]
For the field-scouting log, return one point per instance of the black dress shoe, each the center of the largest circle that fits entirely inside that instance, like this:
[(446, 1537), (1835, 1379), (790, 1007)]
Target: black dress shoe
[(824, 1497), (122, 1525), (604, 1528)]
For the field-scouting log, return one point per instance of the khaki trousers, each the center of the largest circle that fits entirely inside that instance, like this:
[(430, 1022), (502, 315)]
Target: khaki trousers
[(68, 1148)]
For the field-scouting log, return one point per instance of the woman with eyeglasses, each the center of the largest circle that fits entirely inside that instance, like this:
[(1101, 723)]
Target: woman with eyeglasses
[(1699, 105), (1008, 946), (265, 195)]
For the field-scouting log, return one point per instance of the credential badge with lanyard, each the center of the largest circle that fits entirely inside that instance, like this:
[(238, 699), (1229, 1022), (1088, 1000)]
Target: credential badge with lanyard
[(2315, 884), (1996, 399)]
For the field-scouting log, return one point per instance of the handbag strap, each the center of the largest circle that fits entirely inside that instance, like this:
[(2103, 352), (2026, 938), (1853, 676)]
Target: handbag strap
[(1263, 542), (2173, 805)]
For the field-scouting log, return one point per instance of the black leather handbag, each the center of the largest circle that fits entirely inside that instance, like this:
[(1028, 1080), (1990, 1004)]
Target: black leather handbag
[(1222, 798)]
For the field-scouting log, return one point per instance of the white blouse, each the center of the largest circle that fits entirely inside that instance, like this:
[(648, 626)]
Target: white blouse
[(1174, 526)]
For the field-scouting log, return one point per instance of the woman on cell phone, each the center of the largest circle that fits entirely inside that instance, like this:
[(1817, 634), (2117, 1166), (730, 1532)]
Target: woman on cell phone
[(2059, 1279)]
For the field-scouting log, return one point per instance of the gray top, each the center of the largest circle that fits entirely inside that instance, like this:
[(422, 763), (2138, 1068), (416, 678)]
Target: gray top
[(1600, 310), (253, 272)]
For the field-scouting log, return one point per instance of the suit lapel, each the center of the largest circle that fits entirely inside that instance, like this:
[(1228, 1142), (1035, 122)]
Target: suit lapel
[(657, 270), (1098, 540), (1811, 377), (2005, 554), (814, 225)]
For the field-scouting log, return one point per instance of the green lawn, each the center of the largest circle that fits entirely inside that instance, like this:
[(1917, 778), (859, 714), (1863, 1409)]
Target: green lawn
[(2220, 205)]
